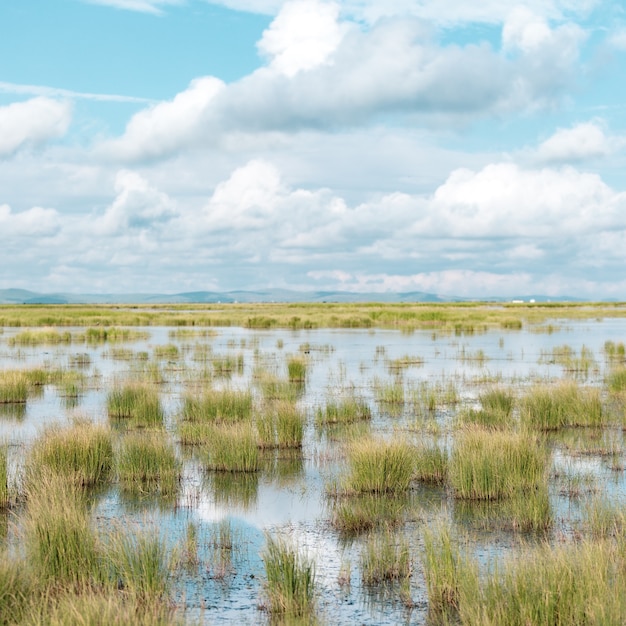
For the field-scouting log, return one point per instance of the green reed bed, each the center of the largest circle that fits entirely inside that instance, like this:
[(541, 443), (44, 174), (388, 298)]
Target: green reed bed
[(604, 518), (280, 425), (140, 404), (389, 393), (227, 364), (290, 580), (274, 388), (233, 448), (14, 387), (5, 498), (616, 380), (218, 405), (378, 466), (17, 590), (40, 337), (60, 542), (385, 558), (431, 463), (147, 463), (169, 352), (358, 513), (489, 465), (343, 411), (296, 369), (81, 453), (565, 404), (582, 583), (102, 334), (495, 412)]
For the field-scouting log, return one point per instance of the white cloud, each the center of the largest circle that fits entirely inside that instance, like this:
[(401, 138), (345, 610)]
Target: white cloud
[(66, 94), (32, 123), (303, 35), (168, 126), (137, 205), (583, 141), (35, 222), (143, 6)]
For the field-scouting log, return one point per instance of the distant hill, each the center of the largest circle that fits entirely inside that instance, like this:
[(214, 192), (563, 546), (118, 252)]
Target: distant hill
[(23, 296)]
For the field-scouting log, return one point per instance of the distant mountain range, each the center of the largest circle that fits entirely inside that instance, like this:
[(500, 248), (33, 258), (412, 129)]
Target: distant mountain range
[(23, 296)]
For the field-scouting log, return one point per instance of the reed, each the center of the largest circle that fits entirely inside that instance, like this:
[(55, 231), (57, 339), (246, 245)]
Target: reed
[(489, 465), (233, 448), (290, 585), (17, 590), (281, 425), (343, 411), (604, 518), (14, 387), (378, 466), (389, 392), (141, 564), (146, 463), (40, 337), (61, 545), (568, 584), (137, 403), (296, 369), (431, 463), (566, 404), (385, 558), (81, 454), (218, 405), (616, 380), (364, 512)]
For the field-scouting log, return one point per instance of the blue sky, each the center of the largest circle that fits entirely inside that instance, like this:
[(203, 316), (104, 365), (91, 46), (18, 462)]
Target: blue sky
[(468, 149)]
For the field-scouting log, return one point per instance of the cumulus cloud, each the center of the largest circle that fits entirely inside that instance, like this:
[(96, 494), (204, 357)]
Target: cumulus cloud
[(35, 222), (304, 35), (32, 123), (138, 205), (583, 141), (166, 127), (347, 76)]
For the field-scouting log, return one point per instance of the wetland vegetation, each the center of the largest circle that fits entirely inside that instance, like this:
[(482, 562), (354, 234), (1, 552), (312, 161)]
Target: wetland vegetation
[(313, 464)]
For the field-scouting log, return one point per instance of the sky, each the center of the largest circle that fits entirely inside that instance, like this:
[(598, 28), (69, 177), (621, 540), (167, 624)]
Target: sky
[(470, 149)]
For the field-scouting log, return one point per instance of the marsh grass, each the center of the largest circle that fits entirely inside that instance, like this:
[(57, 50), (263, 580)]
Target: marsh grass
[(40, 337), (139, 404), (604, 518), (385, 558), (233, 448), (343, 411), (218, 405), (141, 564), (60, 542), (5, 498), (101, 334), (567, 584), (616, 380), (566, 404), (280, 425), (274, 388), (228, 364), (81, 454), (389, 393), (355, 514), (17, 589), (296, 369), (147, 463), (378, 466), (14, 387), (489, 465), (431, 463), (290, 580)]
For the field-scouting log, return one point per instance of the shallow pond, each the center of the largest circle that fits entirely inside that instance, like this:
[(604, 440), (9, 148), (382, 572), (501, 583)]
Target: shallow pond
[(289, 496)]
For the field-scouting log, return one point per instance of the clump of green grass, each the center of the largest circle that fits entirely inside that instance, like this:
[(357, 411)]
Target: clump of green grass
[(17, 590), (616, 380), (169, 351), (233, 448), (141, 563), (39, 337), (495, 412), (14, 386), (604, 518), (281, 425), (385, 558), (378, 466), (567, 584), (274, 388), (218, 405), (81, 454), (103, 334), (140, 404), (551, 408), (363, 512), (61, 544), (389, 392), (4, 476), (296, 369), (343, 411), (444, 567), (431, 463), (227, 364), (146, 463), (489, 465), (290, 585)]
